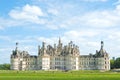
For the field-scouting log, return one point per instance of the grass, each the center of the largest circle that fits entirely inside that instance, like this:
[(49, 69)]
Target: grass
[(58, 75)]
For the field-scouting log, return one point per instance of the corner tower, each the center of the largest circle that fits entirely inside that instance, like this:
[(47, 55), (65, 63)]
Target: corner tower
[(102, 59), (15, 58)]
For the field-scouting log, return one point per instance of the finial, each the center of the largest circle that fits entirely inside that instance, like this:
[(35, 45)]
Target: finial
[(101, 42), (16, 46), (16, 43)]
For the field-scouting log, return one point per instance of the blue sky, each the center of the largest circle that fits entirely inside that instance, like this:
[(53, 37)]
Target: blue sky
[(85, 22)]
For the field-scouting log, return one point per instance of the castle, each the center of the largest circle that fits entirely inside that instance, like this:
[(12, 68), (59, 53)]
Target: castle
[(59, 57)]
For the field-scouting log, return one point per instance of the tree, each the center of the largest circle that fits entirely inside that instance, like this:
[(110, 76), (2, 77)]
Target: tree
[(4, 66), (117, 63), (112, 64)]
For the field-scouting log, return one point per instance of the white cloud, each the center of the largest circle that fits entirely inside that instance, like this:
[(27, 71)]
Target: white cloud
[(95, 19), (117, 2), (31, 49), (6, 23), (72, 33), (83, 33), (114, 36), (100, 19), (5, 49), (53, 11), (80, 0), (24, 41), (2, 21), (6, 38), (93, 44), (33, 10), (51, 40), (95, 0), (28, 13), (32, 14), (1, 27)]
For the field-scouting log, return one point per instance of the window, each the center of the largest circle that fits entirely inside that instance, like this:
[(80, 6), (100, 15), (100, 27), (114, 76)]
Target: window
[(105, 62), (105, 67)]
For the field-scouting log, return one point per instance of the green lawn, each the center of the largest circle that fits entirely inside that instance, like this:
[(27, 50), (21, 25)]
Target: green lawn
[(58, 75)]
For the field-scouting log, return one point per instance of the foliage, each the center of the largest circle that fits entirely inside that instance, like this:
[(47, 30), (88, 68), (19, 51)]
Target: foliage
[(4, 66), (112, 64), (115, 63)]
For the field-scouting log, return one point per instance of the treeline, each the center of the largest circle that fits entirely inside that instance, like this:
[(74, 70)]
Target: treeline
[(4, 66), (115, 63)]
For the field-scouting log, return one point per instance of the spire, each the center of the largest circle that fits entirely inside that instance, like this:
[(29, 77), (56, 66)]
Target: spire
[(59, 45), (102, 44), (59, 40)]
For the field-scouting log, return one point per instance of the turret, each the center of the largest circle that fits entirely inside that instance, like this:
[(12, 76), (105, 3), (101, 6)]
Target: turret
[(38, 49), (102, 52), (43, 45), (43, 48), (16, 49)]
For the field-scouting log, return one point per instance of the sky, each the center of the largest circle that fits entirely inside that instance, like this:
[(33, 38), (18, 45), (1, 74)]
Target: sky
[(85, 22)]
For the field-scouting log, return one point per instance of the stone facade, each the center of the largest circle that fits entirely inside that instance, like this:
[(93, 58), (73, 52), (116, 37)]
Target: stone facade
[(59, 57)]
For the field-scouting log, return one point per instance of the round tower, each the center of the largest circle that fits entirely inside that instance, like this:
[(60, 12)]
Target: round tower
[(15, 58)]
